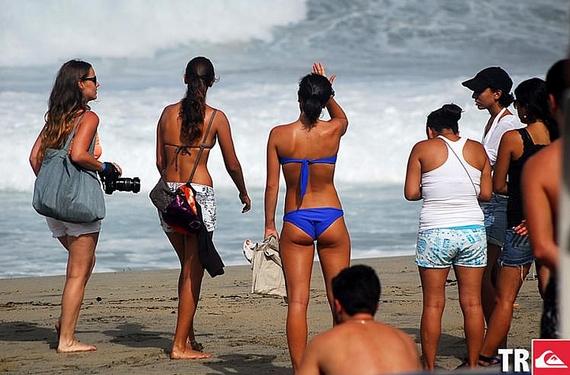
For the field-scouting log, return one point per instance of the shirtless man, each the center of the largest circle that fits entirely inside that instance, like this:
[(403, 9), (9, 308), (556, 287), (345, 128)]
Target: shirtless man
[(541, 190), (358, 344)]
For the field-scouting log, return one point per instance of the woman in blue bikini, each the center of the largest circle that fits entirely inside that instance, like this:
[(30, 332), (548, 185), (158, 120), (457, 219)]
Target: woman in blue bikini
[(307, 149)]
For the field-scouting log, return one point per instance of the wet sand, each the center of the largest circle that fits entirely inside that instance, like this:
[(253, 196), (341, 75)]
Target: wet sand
[(130, 316)]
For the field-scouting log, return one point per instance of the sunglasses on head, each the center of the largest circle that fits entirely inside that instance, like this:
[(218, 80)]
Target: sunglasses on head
[(92, 79)]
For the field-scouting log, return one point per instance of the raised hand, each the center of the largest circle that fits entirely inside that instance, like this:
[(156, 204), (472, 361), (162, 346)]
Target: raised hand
[(319, 68)]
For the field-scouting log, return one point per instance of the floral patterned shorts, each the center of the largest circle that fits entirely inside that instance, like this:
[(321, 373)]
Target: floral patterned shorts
[(205, 198)]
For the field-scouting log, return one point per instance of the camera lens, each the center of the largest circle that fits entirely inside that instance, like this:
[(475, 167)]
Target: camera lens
[(128, 184), (136, 184)]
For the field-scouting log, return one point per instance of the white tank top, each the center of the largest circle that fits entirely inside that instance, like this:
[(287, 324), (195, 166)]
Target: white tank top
[(449, 196)]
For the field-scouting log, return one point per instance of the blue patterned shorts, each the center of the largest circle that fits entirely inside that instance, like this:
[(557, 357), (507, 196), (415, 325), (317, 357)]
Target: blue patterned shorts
[(458, 246)]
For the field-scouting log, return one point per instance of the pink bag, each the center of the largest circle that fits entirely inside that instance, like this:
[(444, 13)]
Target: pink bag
[(183, 213), (179, 208)]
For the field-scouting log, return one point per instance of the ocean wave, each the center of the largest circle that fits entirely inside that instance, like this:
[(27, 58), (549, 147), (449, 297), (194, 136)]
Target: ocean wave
[(385, 122), (258, 32), (39, 32)]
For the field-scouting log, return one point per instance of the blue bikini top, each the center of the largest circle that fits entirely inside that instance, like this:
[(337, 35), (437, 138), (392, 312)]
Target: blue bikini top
[(305, 168)]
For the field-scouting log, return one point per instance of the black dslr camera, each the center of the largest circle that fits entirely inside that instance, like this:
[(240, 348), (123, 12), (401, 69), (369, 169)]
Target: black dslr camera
[(111, 182)]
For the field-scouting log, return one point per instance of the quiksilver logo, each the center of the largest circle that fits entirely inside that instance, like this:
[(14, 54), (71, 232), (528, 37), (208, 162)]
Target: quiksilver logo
[(549, 359)]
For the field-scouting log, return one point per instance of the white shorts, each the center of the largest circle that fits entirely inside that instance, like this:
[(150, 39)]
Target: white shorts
[(205, 198), (63, 228)]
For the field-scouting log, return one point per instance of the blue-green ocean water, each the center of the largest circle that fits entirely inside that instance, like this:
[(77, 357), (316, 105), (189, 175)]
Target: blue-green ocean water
[(380, 222)]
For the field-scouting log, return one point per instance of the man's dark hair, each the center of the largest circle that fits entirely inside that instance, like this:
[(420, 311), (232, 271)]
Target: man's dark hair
[(357, 288), (558, 80)]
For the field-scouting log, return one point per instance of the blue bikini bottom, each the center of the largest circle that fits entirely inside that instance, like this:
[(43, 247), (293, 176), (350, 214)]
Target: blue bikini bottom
[(313, 221)]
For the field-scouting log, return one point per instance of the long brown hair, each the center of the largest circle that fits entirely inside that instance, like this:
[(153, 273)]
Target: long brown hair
[(65, 103), (199, 76)]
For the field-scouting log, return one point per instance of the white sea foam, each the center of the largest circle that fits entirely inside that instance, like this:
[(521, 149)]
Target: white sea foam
[(39, 32), (384, 124)]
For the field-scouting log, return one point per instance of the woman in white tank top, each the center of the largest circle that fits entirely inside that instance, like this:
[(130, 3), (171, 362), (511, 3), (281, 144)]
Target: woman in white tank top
[(450, 174)]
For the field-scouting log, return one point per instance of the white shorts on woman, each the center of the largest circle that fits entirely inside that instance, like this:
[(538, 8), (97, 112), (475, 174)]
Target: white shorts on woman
[(60, 228)]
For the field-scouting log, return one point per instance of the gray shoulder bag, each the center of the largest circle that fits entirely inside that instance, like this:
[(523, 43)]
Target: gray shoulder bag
[(64, 190)]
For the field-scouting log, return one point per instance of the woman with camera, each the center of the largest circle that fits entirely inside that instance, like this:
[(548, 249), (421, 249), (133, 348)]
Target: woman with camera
[(306, 150), (69, 122), (186, 133)]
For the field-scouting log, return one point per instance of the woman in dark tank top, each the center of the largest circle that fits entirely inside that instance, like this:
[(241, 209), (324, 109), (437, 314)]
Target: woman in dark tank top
[(516, 147)]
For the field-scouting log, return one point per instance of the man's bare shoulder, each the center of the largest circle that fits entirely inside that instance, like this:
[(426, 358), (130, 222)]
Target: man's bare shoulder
[(394, 333), (344, 330), (546, 160), (324, 339), (369, 344)]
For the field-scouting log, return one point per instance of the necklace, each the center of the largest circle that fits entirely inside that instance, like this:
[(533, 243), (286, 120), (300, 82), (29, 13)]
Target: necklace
[(360, 321)]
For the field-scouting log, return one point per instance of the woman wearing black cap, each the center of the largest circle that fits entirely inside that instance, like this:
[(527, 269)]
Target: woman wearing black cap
[(491, 90), (516, 147)]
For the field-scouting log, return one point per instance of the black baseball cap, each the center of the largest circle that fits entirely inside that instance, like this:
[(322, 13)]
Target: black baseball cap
[(493, 76)]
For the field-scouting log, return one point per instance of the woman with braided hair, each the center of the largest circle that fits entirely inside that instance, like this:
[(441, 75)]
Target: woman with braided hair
[(184, 128)]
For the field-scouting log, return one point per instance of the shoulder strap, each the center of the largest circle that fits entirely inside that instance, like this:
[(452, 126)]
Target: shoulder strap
[(72, 133), (202, 147), (460, 162), (527, 139)]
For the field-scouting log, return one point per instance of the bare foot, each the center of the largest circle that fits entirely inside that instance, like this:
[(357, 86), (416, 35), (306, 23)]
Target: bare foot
[(57, 330), (75, 347), (188, 353), (192, 344)]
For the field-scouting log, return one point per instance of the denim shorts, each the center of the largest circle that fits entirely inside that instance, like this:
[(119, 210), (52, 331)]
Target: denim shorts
[(495, 213), (516, 250), (458, 246)]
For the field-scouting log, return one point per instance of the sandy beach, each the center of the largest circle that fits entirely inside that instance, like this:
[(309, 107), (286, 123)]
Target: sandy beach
[(130, 316)]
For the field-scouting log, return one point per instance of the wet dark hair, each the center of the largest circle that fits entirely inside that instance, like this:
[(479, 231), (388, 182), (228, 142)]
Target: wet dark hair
[(447, 117), (314, 92), (506, 98), (199, 76), (533, 97), (558, 80), (65, 103), (358, 289)]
